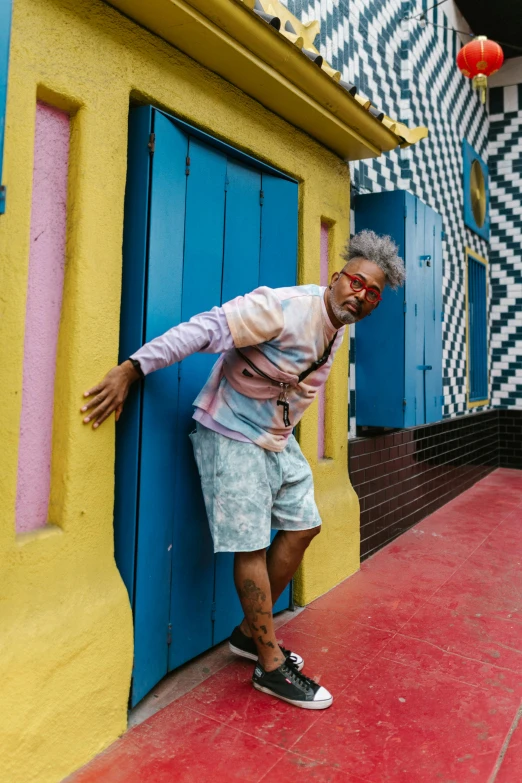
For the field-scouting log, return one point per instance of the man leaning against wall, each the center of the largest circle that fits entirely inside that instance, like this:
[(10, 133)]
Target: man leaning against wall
[(277, 347)]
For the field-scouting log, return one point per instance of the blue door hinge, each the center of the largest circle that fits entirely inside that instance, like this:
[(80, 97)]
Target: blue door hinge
[(213, 611), (187, 165), (169, 633), (415, 309), (2, 199), (227, 183), (152, 143), (261, 197), (434, 315), (404, 403), (405, 306)]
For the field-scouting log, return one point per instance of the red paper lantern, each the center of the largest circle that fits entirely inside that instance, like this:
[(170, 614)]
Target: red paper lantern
[(479, 59)]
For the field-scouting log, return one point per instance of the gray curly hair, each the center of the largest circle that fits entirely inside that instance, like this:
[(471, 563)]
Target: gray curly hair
[(381, 250)]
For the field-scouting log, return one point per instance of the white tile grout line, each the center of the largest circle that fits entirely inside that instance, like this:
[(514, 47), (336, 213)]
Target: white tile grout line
[(505, 746)]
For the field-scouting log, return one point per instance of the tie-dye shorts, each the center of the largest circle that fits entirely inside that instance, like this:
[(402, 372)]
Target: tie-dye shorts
[(248, 490)]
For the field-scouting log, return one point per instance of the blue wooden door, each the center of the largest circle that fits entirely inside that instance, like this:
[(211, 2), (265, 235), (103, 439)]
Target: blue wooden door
[(199, 229), (403, 387), (433, 323), (381, 345)]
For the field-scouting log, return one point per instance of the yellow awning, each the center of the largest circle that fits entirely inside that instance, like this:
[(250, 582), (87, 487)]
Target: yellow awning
[(238, 41)]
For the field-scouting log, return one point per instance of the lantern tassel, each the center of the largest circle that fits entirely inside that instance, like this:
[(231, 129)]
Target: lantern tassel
[(480, 82)]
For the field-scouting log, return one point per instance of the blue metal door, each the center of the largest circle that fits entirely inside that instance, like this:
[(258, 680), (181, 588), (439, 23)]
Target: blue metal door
[(202, 225)]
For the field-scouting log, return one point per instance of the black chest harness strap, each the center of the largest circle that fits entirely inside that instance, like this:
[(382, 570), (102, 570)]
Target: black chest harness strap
[(283, 399)]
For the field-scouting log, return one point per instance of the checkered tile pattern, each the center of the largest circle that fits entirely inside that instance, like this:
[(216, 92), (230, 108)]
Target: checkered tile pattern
[(409, 72), (505, 166)]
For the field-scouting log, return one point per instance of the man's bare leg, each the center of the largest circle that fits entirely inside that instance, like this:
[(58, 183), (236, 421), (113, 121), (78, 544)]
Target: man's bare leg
[(253, 588), (282, 561)]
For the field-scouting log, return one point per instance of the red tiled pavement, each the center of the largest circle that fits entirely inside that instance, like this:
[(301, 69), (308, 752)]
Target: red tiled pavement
[(422, 650)]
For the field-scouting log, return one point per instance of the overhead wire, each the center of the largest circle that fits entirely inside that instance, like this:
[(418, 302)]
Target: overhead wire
[(421, 18)]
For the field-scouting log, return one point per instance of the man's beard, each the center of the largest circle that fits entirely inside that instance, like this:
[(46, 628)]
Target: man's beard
[(346, 317)]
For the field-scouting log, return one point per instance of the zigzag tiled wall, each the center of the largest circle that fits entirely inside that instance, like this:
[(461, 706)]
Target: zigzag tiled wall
[(505, 168), (410, 72)]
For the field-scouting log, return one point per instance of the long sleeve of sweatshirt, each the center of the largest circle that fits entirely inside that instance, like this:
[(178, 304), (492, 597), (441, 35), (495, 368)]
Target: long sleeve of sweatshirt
[(207, 333)]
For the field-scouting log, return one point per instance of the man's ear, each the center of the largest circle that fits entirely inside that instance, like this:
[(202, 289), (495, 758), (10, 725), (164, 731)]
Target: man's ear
[(335, 278)]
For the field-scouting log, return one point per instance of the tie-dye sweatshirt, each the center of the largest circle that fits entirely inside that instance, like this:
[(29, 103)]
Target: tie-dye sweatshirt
[(279, 333)]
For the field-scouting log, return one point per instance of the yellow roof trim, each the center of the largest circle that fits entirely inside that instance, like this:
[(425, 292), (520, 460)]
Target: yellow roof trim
[(229, 38)]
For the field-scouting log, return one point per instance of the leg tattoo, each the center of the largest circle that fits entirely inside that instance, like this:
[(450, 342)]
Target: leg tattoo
[(253, 600)]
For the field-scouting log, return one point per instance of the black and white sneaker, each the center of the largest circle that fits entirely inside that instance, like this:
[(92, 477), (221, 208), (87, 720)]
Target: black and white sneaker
[(288, 684), (243, 645)]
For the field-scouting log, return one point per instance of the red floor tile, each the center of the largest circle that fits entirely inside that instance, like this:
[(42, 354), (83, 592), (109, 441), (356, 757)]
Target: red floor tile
[(425, 538), (333, 649), (179, 745), (476, 591), (394, 724), (231, 699), (511, 766), (431, 659), (490, 638), (297, 769), (424, 574), (459, 528), (366, 604)]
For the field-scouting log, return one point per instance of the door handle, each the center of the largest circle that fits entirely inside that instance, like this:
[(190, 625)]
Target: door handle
[(427, 259), (425, 367)]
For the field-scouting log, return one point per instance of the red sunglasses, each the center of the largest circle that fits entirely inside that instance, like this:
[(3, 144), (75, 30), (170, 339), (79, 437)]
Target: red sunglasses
[(357, 284)]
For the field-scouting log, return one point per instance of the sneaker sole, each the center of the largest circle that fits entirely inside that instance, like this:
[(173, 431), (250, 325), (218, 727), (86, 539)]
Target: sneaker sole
[(304, 705), (242, 653), (251, 656)]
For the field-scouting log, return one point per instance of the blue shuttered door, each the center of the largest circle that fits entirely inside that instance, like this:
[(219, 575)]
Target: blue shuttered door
[(380, 340), (420, 274), (200, 228), (192, 553), (260, 233), (413, 319), (433, 320), (477, 330), (399, 350)]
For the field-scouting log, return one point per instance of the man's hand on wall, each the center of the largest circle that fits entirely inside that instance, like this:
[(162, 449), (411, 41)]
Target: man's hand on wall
[(110, 394)]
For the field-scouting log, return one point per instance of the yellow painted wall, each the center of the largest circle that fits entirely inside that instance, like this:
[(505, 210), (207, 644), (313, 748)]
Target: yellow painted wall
[(66, 626)]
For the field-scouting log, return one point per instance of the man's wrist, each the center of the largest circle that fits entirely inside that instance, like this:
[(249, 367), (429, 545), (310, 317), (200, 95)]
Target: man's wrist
[(133, 369)]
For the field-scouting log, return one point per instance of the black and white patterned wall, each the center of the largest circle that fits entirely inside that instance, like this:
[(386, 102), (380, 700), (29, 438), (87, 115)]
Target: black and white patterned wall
[(505, 169), (409, 71)]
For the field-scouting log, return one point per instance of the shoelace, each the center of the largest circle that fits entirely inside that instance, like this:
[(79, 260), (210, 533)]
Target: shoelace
[(297, 677)]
